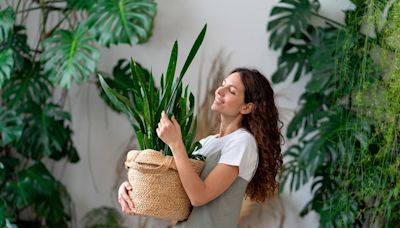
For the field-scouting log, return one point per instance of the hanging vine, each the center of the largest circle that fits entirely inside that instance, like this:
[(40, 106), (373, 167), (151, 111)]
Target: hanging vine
[(348, 122)]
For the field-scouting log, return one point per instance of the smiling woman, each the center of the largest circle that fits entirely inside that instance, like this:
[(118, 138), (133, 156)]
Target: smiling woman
[(242, 159)]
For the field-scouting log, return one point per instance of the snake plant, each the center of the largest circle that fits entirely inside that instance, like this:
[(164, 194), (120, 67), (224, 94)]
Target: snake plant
[(145, 101)]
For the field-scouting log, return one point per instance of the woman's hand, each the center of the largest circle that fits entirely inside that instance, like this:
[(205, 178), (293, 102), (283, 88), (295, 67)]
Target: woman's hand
[(169, 131), (124, 200)]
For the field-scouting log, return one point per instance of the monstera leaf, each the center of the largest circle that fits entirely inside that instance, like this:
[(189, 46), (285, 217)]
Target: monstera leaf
[(122, 21), (6, 23), (36, 186), (29, 85), (18, 42), (292, 18), (6, 65), (10, 126), (46, 134), (70, 55), (5, 217)]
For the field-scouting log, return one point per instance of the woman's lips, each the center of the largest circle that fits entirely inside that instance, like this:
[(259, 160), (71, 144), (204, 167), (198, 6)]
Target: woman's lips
[(218, 101)]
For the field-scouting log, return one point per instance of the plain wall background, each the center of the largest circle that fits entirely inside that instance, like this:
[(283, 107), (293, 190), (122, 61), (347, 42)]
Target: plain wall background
[(238, 28)]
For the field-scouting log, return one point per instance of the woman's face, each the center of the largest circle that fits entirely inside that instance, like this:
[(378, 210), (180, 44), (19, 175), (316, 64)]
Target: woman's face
[(229, 97)]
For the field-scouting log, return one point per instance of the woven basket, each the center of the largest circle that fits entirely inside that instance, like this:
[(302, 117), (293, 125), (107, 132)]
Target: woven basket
[(156, 187)]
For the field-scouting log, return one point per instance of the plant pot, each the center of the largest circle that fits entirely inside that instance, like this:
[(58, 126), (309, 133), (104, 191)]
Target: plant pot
[(156, 187)]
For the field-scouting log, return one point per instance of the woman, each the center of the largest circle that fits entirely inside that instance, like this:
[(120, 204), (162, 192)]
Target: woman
[(244, 158)]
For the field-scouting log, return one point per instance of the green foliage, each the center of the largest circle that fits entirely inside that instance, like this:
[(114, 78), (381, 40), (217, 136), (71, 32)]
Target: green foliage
[(348, 123), (10, 126), (145, 102), (70, 54), (103, 217), (127, 21), (34, 127), (36, 184), (7, 19), (7, 64), (45, 134), (292, 19)]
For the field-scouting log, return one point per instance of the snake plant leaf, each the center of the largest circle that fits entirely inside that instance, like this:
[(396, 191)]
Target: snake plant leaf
[(6, 65), (189, 59), (26, 86), (6, 23), (70, 55), (193, 52), (148, 101), (46, 133), (123, 104), (291, 19), (121, 81), (122, 21), (169, 79), (11, 126)]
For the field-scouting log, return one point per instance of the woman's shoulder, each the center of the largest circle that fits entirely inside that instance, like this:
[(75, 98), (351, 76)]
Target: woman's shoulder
[(242, 135)]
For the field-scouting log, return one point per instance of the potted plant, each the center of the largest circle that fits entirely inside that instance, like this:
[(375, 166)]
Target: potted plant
[(157, 190)]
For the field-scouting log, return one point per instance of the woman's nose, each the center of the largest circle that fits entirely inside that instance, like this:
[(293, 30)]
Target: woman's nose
[(220, 90)]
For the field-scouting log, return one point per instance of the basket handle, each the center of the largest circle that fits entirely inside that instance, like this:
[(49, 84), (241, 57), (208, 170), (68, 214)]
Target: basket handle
[(157, 169)]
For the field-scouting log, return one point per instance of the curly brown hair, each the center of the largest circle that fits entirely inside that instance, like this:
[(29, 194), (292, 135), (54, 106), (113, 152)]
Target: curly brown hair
[(263, 122)]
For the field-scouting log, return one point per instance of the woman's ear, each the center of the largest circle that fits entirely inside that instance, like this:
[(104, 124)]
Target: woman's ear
[(247, 108)]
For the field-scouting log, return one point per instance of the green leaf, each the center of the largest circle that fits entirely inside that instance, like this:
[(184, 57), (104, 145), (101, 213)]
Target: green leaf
[(26, 86), (292, 19), (10, 126), (122, 21), (293, 56), (148, 102), (123, 104), (121, 81), (6, 65), (169, 79), (47, 134), (35, 186), (193, 52), (327, 50), (81, 5), (5, 217), (69, 55), (18, 42), (189, 59), (6, 23), (103, 217)]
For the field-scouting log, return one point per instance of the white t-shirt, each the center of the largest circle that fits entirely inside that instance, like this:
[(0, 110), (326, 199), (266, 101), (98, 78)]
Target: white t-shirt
[(238, 148)]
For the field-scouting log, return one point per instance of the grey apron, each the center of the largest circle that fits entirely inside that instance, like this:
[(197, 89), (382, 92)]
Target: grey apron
[(223, 211)]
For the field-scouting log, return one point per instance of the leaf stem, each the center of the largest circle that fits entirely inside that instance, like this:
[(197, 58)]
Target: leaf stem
[(40, 7)]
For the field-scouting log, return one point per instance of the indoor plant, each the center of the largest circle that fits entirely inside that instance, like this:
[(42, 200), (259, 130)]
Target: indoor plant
[(348, 124), (35, 125), (144, 112)]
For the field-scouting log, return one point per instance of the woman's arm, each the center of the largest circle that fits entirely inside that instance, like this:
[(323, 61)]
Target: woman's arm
[(199, 192)]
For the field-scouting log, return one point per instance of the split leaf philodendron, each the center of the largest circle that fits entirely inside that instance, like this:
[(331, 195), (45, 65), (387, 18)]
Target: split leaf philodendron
[(147, 101)]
